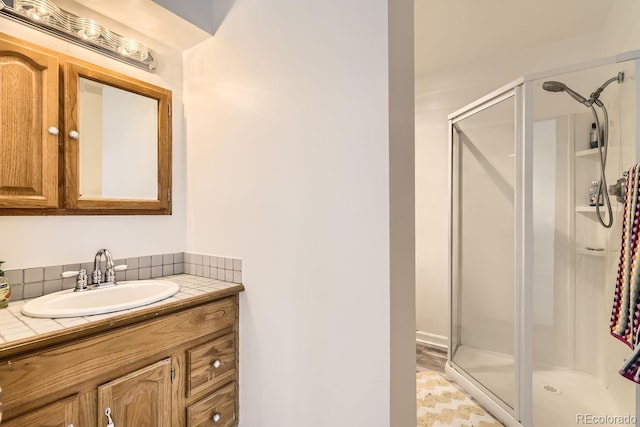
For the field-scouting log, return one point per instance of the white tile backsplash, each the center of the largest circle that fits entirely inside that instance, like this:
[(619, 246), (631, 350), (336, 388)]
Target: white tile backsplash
[(167, 270), (32, 275), (133, 263), (156, 271), (33, 290), (51, 286), (38, 281), (144, 273), (156, 260), (53, 272)]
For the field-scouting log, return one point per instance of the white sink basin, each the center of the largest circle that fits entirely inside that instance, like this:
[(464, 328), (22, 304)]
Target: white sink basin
[(123, 296)]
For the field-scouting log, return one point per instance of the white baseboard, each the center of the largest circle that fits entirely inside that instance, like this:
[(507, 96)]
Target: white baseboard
[(432, 340)]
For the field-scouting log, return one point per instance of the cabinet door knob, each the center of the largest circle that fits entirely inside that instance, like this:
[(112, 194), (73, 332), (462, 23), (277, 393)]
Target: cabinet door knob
[(74, 134), (216, 364), (53, 130), (216, 417)]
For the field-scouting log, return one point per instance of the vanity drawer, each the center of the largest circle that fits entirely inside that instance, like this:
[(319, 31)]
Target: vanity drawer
[(211, 363), (216, 410)]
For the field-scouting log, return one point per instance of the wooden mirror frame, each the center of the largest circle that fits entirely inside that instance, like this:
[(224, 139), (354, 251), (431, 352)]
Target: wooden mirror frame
[(51, 185), (73, 71)]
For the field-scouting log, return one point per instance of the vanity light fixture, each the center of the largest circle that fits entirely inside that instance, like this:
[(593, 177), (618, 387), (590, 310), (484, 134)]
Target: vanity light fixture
[(47, 16)]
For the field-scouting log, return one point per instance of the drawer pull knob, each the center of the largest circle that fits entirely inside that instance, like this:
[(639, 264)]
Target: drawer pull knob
[(216, 417), (53, 130), (216, 364)]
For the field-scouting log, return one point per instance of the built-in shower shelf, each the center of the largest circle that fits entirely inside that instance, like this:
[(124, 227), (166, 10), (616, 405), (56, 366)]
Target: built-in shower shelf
[(589, 209), (590, 252), (587, 153)]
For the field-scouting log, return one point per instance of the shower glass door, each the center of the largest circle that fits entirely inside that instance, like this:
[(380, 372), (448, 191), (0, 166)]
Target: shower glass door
[(483, 247)]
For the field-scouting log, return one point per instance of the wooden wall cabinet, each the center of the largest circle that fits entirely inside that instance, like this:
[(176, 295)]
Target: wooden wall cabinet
[(179, 369), (51, 165), (29, 124)]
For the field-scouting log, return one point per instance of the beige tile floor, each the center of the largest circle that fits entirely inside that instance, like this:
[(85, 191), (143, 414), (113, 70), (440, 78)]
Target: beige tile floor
[(430, 358), (434, 359)]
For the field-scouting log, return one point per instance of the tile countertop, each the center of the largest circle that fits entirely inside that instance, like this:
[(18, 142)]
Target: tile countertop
[(18, 331)]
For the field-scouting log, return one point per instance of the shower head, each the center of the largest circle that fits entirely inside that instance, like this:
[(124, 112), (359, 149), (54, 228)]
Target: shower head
[(552, 86)]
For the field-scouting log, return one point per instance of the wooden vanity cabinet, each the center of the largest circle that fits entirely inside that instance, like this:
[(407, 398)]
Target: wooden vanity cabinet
[(29, 88), (142, 398), (174, 369), (63, 413)]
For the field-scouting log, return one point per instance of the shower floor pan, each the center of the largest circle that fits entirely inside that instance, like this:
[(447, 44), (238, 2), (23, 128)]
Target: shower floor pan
[(560, 396)]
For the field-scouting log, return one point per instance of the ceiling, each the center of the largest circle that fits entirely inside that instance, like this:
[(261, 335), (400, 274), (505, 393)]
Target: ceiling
[(452, 32), (447, 32), (153, 20), (205, 14)]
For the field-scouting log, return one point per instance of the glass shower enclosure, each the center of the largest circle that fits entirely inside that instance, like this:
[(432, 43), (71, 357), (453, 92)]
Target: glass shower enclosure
[(532, 270)]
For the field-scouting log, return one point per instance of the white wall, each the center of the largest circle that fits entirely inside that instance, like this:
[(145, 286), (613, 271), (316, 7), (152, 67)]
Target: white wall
[(291, 157), (40, 241), (440, 93), (621, 31)]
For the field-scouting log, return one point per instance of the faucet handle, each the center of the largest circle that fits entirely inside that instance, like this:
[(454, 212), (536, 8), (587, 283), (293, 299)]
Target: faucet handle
[(96, 277), (67, 274), (81, 278), (110, 273)]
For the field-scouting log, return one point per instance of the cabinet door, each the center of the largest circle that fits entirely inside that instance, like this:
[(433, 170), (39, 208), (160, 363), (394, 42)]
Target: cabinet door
[(63, 413), (141, 399), (29, 107)]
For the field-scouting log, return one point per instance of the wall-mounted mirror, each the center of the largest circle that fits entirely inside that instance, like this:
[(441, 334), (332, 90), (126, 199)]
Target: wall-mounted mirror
[(117, 142)]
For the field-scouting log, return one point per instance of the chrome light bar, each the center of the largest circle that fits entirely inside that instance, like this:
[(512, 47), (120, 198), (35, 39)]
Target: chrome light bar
[(45, 15)]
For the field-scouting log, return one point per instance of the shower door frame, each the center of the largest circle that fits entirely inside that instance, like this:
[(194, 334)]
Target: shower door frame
[(521, 415), (522, 90)]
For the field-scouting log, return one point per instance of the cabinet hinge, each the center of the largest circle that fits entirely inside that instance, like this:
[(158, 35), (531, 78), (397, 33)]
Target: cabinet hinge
[(173, 374)]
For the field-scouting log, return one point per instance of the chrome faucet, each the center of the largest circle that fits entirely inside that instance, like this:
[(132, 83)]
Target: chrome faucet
[(109, 278), (98, 278)]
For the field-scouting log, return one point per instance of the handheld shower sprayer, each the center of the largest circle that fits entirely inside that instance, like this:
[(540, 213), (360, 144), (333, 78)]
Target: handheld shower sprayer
[(552, 86), (603, 132)]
